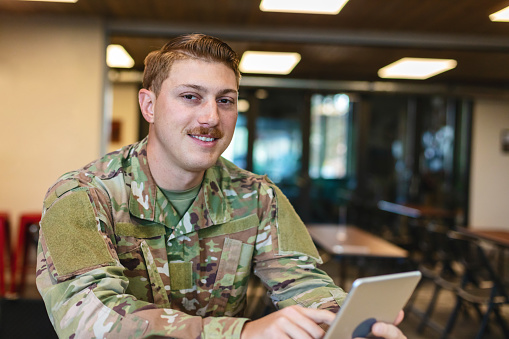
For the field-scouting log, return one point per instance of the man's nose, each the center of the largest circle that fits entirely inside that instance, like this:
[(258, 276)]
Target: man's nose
[(209, 114)]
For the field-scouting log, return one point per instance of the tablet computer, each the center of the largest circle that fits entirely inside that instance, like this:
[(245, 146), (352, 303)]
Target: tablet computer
[(372, 299)]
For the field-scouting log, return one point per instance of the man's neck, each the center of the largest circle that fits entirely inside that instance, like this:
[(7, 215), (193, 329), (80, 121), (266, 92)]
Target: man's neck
[(168, 177)]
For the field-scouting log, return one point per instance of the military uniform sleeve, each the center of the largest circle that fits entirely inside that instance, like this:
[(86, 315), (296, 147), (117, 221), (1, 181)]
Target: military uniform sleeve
[(82, 281), (286, 258)]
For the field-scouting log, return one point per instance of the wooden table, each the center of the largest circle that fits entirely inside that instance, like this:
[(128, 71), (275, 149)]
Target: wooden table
[(416, 211), (343, 241), (499, 237)]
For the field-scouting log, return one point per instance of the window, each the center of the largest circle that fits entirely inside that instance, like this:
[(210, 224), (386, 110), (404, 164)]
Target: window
[(237, 150), (329, 133)]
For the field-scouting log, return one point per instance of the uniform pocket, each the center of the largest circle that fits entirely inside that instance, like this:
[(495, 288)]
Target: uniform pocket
[(154, 273), (237, 298), (225, 277), (229, 292), (146, 266), (137, 273)]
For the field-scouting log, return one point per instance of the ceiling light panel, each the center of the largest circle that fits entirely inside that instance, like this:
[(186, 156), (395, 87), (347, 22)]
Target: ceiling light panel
[(416, 68), (303, 6), (502, 15), (117, 56), (268, 62)]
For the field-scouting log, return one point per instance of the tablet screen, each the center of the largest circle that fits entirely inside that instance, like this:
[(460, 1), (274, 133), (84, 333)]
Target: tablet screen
[(372, 299)]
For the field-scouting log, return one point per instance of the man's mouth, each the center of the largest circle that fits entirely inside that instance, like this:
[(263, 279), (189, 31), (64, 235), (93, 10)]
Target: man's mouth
[(203, 138), (205, 134)]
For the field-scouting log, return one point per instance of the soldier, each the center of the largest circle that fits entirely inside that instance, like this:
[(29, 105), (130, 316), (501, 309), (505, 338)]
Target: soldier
[(159, 238)]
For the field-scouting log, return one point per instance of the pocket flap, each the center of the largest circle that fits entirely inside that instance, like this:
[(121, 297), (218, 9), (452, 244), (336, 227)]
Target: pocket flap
[(139, 231), (231, 227)]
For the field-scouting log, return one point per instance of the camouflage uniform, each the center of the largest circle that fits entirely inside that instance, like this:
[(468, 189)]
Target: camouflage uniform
[(115, 260)]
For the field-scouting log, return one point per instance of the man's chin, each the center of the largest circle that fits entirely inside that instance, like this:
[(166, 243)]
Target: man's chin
[(200, 165)]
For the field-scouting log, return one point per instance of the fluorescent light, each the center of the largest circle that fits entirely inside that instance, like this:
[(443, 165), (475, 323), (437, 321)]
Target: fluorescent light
[(502, 15), (117, 56), (416, 68), (268, 62), (303, 6), (71, 1)]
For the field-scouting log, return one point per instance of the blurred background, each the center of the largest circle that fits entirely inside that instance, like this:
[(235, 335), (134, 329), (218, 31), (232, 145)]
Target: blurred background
[(345, 142)]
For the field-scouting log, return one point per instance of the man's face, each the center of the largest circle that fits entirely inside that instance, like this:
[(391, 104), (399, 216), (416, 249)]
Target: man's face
[(194, 115)]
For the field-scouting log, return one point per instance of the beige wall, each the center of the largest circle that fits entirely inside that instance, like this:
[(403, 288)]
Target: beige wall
[(51, 94), (489, 184)]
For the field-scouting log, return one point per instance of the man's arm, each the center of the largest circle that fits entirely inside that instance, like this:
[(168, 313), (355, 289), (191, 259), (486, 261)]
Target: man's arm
[(287, 265), (286, 259)]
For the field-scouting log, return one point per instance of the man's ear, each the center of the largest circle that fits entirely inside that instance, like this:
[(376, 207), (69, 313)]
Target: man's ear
[(147, 100)]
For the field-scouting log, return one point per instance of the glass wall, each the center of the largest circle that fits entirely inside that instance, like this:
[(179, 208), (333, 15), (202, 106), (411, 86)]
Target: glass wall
[(329, 136), (237, 150)]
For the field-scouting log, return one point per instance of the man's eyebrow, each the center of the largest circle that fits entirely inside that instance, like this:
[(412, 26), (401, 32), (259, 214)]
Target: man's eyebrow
[(204, 89), (227, 91)]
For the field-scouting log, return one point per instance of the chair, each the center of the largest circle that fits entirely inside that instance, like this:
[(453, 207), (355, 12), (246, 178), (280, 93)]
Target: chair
[(5, 242), (429, 261), (28, 234), (446, 273), (479, 286)]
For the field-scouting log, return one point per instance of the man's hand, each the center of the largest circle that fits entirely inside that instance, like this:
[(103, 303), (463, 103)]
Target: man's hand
[(388, 331), (294, 322)]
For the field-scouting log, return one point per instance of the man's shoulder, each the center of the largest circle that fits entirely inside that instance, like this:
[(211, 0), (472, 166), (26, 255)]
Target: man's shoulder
[(236, 176), (107, 167)]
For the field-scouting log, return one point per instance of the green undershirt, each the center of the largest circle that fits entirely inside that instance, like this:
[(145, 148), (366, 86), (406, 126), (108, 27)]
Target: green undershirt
[(181, 200)]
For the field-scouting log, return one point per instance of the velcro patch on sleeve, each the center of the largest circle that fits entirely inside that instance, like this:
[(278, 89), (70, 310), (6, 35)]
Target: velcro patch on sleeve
[(72, 235), (293, 234)]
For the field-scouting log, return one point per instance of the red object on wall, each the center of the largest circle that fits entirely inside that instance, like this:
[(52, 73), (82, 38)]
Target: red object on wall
[(20, 255), (5, 247)]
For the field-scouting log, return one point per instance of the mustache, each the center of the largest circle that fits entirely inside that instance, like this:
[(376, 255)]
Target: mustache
[(210, 131)]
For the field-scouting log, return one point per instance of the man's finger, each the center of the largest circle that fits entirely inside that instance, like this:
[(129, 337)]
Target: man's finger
[(387, 331), (400, 317), (301, 329), (319, 316), (305, 320)]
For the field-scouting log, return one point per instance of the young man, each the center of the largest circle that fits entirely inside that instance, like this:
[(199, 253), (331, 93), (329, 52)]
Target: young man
[(159, 238)]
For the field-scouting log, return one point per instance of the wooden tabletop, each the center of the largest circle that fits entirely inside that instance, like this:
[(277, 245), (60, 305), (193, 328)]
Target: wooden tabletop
[(497, 236), (414, 210), (349, 240)]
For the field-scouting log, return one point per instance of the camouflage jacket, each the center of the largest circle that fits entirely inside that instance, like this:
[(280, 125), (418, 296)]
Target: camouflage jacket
[(116, 261)]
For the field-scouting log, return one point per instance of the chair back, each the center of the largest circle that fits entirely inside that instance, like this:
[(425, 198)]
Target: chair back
[(479, 271), (443, 250)]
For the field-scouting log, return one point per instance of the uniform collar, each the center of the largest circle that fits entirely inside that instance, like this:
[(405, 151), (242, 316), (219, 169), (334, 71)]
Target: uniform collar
[(146, 201)]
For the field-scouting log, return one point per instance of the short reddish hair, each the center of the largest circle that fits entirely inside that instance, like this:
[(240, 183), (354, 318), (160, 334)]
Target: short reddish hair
[(192, 46)]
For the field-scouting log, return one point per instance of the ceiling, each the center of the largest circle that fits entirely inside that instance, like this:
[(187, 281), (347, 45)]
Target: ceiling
[(351, 46)]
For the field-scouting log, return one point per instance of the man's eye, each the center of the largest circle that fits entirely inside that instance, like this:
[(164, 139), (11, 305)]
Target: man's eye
[(226, 101), (190, 96)]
